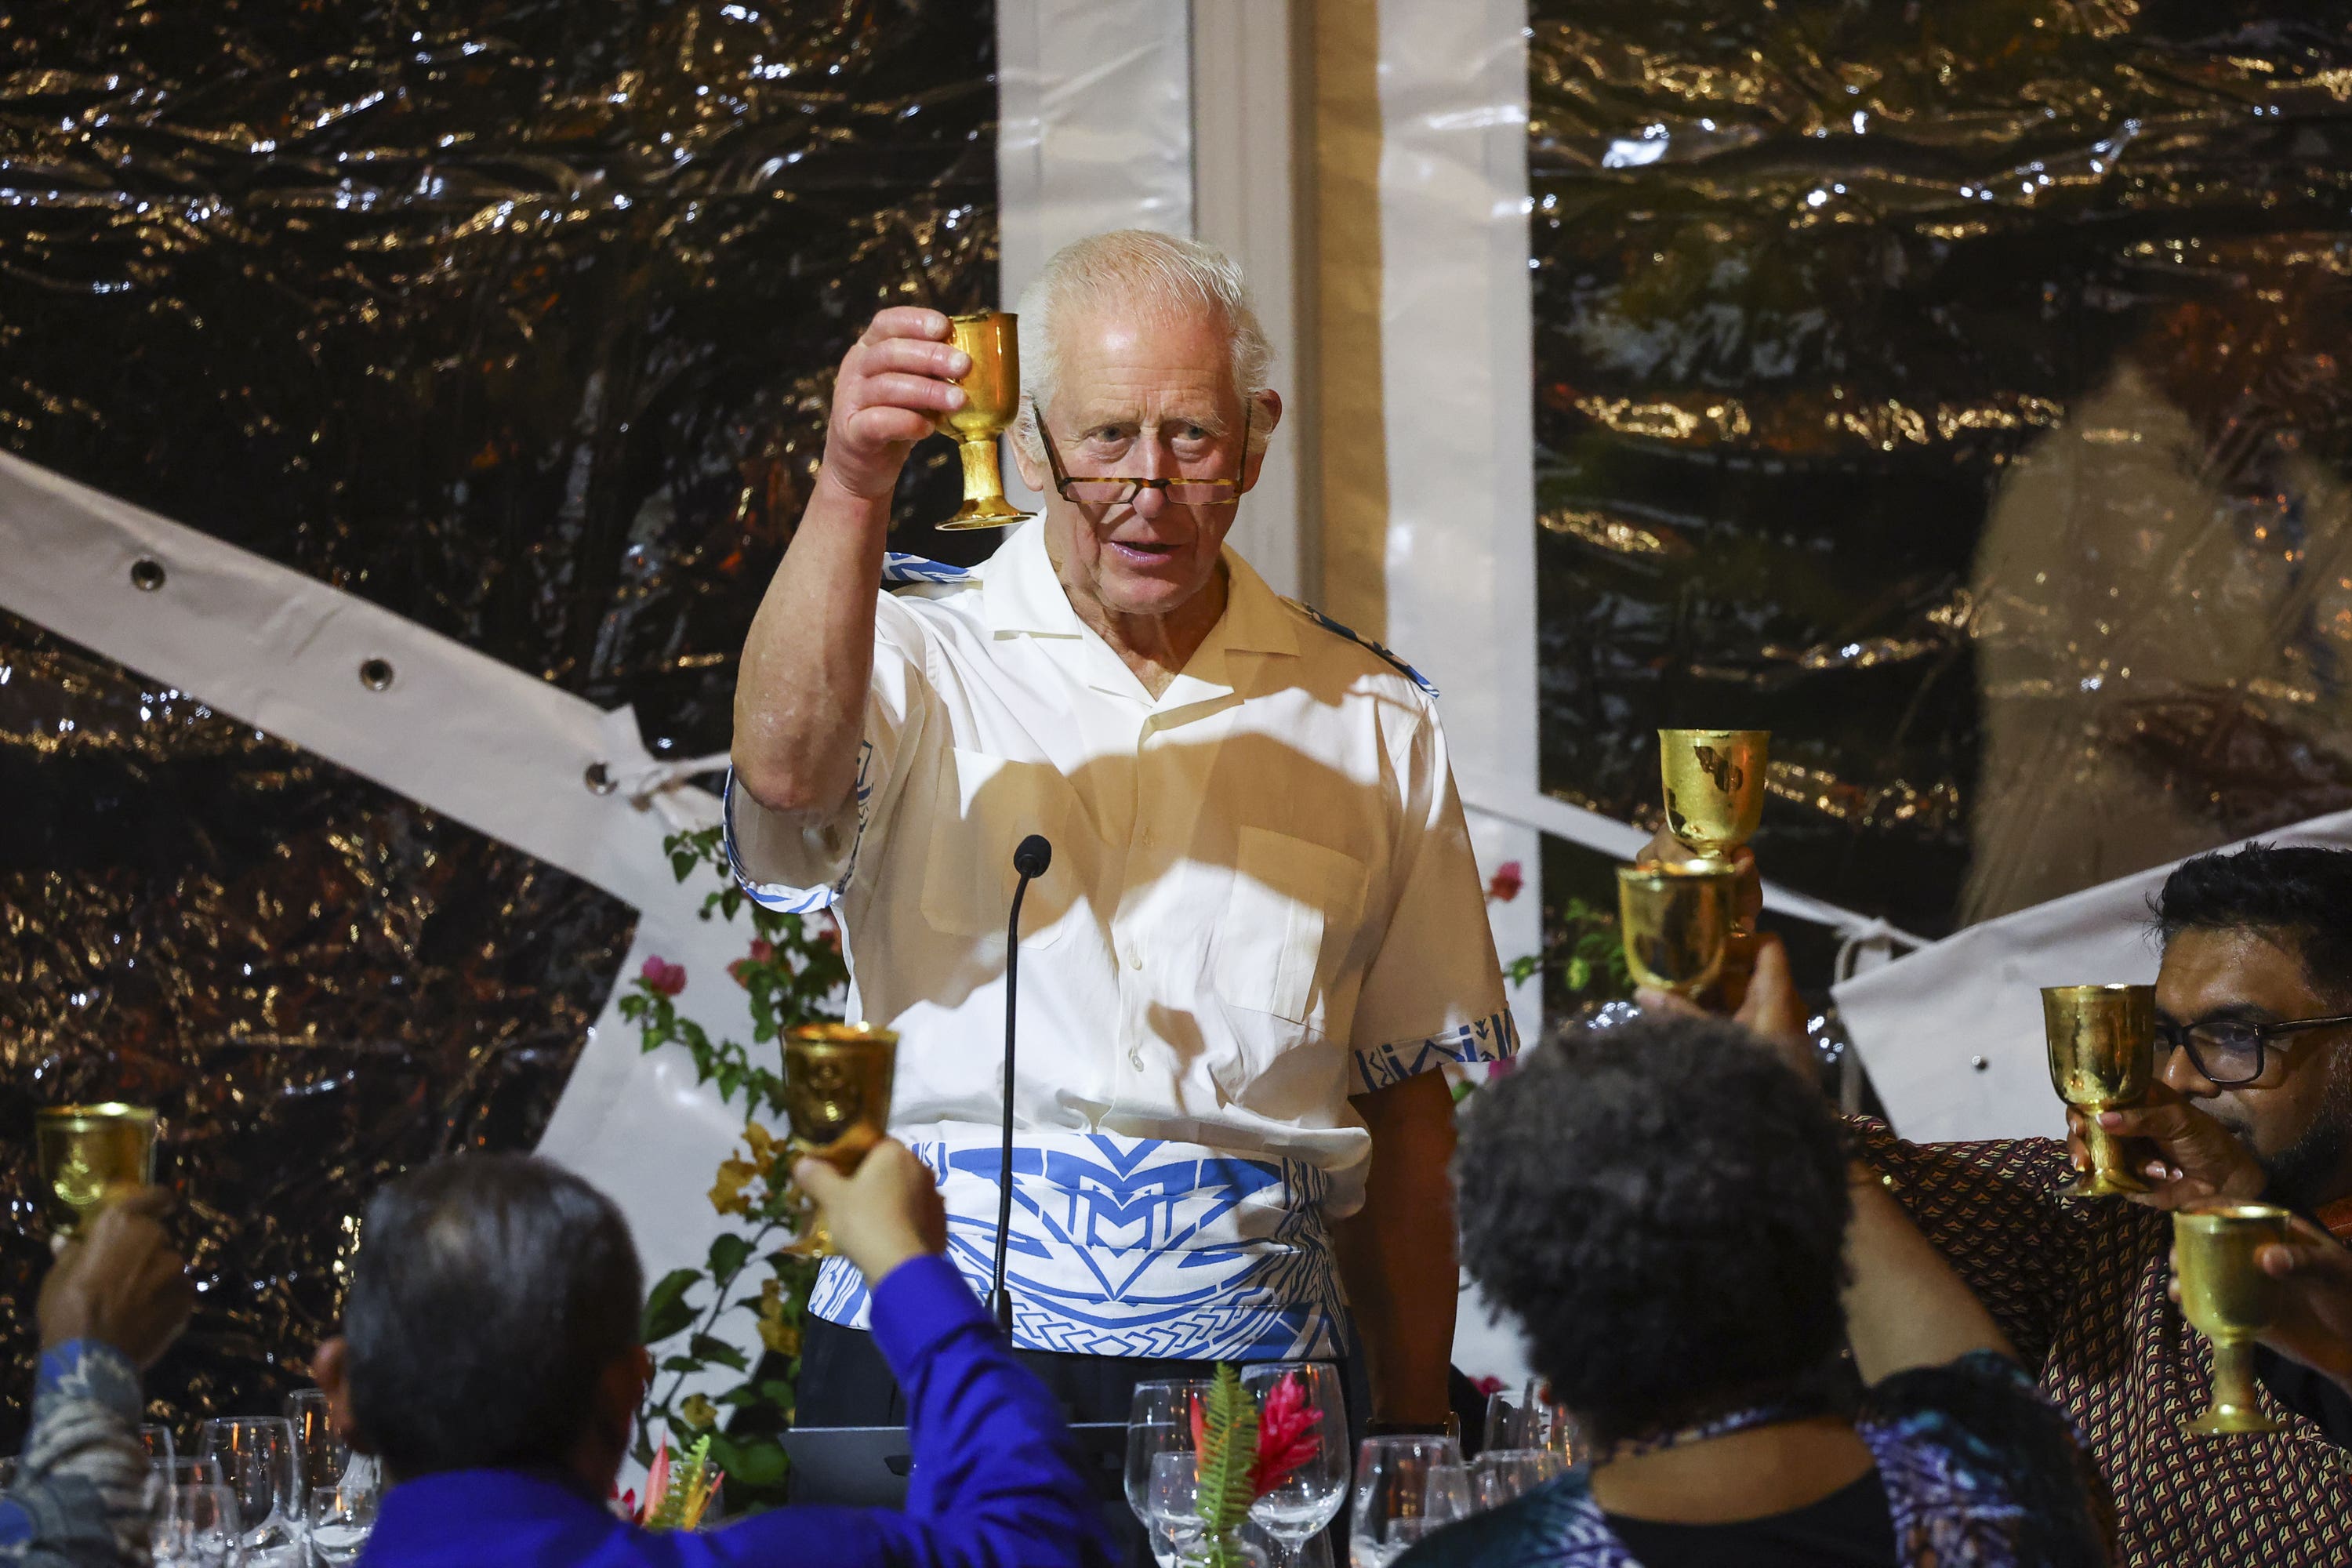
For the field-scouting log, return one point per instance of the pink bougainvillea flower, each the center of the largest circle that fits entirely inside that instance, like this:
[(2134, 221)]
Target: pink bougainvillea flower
[(762, 950), (1489, 1385), (1505, 884), (660, 974), (1287, 1438)]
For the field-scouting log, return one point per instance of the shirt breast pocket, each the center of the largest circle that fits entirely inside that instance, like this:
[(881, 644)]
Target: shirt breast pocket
[(985, 810), (1293, 910)]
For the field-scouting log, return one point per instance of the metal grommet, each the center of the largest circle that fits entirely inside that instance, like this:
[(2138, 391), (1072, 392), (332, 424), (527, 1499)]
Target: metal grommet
[(375, 674), (600, 779), (1979, 1063), (146, 574)]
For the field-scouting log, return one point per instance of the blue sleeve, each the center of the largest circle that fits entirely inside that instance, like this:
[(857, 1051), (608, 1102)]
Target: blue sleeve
[(80, 1496), (997, 1481)]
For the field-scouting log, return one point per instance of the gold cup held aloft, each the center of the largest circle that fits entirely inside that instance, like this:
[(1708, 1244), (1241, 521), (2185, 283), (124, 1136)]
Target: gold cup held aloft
[(88, 1153), (837, 1080), (1715, 787), (2228, 1299), (992, 391), (2102, 1057), (1675, 920)]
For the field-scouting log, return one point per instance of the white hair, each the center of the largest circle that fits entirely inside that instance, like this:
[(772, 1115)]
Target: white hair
[(1137, 269)]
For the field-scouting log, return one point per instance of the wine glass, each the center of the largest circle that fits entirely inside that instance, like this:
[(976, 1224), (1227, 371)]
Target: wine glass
[(1307, 1500), (1172, 1500), (338, 1522), (1499, 1475), (323, 1460), (1449, 1496), (259, 1461), (1159, 1421), (1392, 1495), (157, 1441), (200, 1527)]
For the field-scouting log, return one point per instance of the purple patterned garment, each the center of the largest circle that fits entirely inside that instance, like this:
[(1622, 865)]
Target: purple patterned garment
[(1978, 1469)]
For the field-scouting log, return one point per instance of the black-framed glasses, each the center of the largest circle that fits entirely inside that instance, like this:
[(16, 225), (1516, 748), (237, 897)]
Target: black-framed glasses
[(1115, 490), (2228, 1052)]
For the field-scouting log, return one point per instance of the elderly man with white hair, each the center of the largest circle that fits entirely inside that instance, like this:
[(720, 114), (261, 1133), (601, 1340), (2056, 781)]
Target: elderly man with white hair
[(1262, 930)]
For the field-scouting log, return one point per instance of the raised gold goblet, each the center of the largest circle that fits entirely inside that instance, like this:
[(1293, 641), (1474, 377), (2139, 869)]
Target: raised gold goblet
[(837, 1093), (2102, 1042), (1674, 918), (1715, 787), (1715, 792), (2228, 1299), (88, 1153), (992, 391)]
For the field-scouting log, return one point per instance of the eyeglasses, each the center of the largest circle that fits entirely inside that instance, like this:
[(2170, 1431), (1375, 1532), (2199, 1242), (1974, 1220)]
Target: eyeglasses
[(1110, 490), (2228, 1052)]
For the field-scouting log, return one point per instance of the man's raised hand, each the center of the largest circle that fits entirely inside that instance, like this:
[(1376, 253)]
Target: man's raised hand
[(2194, 1158), (894, 382)]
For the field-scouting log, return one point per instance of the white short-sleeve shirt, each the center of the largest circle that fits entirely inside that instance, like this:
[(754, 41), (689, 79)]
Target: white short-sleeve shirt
[(1262, 902)]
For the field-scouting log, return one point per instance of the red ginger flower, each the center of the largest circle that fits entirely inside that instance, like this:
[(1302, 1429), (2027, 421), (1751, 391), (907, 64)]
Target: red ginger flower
[(1286, 1438)]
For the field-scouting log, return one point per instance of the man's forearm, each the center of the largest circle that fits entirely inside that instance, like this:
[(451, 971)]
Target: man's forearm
[(800, 696), (1396, 1254)]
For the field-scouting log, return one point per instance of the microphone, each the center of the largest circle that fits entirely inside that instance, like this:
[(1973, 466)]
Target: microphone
[(1030, 859)]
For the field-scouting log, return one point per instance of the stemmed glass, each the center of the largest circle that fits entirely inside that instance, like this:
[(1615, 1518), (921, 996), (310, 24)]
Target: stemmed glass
[(199, 1527), (1527, 1420), (259, 1460), (1160, 1421), (1392, 1495), (338, 1524), (1499, 1475), (1309, 1498), (1448, 1498), (1173, 1506)]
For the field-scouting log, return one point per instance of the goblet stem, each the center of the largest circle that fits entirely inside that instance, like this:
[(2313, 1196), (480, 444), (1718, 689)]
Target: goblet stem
[(2110, 1173), (2236, 1407)]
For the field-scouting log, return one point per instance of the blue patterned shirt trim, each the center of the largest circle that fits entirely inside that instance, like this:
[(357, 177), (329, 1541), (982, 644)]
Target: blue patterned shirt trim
[(88, 1370), (901, 568), (782, 897), (1492, 1038), (1367, 644)]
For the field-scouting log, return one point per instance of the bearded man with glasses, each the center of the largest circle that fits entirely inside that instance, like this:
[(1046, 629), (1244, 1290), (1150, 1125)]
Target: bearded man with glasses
[(2253, 1100), (1261, 931)]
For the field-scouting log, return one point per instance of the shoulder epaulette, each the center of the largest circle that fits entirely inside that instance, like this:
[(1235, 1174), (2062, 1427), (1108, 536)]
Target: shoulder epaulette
[(901, 568), (1367, 644)]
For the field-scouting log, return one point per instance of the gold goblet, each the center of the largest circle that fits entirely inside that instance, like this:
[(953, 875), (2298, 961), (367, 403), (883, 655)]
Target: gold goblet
[(992, 391), (2227, 1298), (89, 1152), (1715, 787), (2102, 1056), (1675, 920), (837, 1094)]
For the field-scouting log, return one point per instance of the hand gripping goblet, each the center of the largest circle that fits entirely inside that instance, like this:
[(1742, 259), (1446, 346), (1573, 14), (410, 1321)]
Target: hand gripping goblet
[(2102, 1055), (837, 1092), (992, 391)]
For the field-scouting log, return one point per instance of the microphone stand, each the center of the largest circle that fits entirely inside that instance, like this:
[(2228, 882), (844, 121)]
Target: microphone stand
[(1030, 860)]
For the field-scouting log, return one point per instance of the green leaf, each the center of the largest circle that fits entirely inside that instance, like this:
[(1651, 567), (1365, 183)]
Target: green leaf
[(753, 1464), (728, 1253), (1580, 974), (666, 1311), (681, 1363), (1228, 1453), (713, 1349)]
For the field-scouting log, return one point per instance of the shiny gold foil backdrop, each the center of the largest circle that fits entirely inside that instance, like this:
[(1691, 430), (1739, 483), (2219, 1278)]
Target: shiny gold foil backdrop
[(516, 319), (1959, 391)]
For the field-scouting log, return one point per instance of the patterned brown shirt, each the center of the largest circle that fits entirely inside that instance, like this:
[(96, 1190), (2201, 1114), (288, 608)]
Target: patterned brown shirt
[(2079, 1286)]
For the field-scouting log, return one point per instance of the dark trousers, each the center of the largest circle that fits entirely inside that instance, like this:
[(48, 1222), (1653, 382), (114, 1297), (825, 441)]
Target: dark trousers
[(844, 1381)]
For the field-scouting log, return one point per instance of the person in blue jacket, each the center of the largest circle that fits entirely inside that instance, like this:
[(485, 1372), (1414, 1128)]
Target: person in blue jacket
[(491, 1359)]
